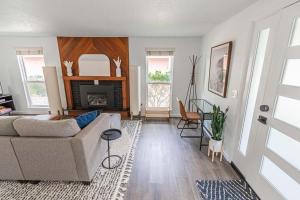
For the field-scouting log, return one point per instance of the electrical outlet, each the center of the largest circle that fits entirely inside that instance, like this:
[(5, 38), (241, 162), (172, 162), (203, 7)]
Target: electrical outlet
[(234, 94)]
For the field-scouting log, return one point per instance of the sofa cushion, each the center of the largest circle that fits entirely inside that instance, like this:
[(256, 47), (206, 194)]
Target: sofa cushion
[(6, 126), (28, 127), (86, 118)]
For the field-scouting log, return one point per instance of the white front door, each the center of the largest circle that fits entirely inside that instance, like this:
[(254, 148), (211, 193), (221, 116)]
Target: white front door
[(269, 151)]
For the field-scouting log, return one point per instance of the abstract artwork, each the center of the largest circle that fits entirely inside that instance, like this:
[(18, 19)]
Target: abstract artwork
[(219, 68)]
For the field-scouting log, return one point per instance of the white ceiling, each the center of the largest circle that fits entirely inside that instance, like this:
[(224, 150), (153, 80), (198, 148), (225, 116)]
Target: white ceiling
[(115, 17)]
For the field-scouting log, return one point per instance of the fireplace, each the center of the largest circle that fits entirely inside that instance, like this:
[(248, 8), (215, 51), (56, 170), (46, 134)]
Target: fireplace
[(106, 95), (97, 96), (97, 100)]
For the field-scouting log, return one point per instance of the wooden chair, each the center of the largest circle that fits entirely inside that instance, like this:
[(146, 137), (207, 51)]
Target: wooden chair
[(188, 118)]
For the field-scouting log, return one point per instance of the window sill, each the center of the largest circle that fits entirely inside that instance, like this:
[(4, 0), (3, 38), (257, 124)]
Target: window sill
[(38, 107)]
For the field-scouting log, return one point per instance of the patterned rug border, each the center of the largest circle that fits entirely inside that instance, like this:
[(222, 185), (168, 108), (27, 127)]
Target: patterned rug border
[(126, 171), (224, 183)]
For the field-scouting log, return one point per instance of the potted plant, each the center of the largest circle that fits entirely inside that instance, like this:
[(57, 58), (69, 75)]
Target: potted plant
[(217, 125)]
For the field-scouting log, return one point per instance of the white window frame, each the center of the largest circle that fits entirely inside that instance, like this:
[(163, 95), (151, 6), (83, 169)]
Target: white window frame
[(26, 82), (171, 64)]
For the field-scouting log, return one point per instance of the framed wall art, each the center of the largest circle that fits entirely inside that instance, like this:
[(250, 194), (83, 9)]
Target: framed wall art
[(219, 68)]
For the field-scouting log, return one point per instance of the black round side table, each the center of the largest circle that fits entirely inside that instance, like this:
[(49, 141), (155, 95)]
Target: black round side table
[(108, 135)]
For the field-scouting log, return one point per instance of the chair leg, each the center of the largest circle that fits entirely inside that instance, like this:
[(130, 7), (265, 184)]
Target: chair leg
[(197, 124), (185, 123), (179, 123)]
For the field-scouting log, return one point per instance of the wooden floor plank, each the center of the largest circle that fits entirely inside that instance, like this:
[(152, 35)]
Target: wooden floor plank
[(167, 166)]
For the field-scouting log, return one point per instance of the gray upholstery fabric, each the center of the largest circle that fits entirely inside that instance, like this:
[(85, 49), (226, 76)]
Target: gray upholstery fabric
[(46, 158), (9, 166), (55, 158), (89, 149), (6, 125), (28, 127)]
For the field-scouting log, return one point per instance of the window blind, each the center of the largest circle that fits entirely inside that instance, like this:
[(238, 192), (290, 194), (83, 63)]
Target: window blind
[(29, 51), (160, 52)]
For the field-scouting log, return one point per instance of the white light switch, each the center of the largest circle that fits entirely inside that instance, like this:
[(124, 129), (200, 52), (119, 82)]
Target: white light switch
[(234, 94)]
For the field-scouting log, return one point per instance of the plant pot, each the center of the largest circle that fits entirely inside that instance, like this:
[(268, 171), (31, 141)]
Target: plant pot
[(215, 145)]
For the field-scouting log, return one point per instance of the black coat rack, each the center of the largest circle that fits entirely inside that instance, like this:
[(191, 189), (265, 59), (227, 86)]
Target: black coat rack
[(192, 88)]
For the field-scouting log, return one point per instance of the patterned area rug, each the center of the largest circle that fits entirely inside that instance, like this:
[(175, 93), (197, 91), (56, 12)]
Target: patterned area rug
[(223, 190), (106, 185)]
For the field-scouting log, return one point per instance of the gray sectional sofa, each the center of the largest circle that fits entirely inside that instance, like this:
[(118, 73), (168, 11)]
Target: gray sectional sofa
[(35, 150)]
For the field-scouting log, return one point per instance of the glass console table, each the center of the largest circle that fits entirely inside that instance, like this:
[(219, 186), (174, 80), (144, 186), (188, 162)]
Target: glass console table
[(204, 108)]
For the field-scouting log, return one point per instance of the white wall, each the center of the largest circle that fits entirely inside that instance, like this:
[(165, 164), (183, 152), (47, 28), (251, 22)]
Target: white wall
[(238, 29), (184, 47), (10, 72)]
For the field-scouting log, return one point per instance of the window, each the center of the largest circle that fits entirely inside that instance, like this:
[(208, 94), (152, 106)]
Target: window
[(31, 62), (159, 79)]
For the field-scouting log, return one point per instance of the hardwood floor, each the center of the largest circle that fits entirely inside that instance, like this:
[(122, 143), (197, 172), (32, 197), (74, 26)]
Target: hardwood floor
[(167, 166)]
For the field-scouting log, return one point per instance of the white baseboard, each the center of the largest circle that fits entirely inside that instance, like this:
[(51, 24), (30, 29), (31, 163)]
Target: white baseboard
[(226, 157)]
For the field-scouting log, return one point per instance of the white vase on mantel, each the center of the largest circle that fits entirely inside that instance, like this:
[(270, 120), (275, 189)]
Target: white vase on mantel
[(118, 69), (118, 72)]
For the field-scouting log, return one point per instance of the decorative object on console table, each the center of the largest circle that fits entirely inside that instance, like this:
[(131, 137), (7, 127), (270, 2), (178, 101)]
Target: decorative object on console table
[(6, 104), (217, 124), (68, 65), (52, 88), (219, 68), (118, 69)]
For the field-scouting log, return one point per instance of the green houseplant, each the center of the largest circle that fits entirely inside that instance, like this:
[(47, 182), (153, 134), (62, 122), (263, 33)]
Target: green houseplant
[(217, 124)]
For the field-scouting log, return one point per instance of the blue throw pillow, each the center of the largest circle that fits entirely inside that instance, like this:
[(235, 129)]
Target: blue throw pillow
[(86, 118)]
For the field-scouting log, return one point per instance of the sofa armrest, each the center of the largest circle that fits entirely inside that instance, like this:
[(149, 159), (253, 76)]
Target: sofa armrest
[(88, 147)]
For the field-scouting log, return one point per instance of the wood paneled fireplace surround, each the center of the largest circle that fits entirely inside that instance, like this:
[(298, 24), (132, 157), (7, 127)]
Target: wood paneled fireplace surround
[(71, 48)]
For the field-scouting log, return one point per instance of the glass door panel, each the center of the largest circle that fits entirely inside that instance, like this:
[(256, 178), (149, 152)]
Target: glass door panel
[(283, 183), (295, 40), (292, 72), (288, 110), (287, 148)]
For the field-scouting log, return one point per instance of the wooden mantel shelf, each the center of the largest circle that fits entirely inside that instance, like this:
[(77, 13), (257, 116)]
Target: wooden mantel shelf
[(100, 78)]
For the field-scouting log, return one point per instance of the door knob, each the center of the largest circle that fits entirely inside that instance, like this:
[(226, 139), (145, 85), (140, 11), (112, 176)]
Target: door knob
[(264, 108), (262, 119)]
